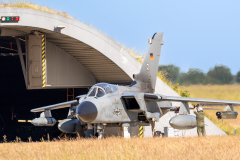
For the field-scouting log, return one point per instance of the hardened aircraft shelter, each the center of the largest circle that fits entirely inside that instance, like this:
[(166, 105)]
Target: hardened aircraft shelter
[(55, 53)]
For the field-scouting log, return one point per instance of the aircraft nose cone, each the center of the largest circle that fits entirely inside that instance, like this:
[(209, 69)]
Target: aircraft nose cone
[(87, 111)]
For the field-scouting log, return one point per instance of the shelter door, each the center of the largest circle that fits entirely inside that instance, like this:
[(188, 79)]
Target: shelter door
[(34, 61)]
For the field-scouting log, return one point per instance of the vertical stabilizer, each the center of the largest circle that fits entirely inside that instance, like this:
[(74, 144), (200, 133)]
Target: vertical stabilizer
[(149, 70)]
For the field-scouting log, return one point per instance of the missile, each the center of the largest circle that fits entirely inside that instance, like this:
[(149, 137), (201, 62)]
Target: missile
[(227, 115), (42, 121), (183, 122)]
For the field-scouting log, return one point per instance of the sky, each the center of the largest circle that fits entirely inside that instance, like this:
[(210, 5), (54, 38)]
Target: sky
[(197, 34)]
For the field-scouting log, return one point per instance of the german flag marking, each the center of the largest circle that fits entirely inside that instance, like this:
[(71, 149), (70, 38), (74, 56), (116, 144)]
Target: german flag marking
[(151, 56)]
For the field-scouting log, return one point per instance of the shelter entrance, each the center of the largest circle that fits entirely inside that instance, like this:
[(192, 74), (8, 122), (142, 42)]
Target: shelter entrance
[(16, 101)]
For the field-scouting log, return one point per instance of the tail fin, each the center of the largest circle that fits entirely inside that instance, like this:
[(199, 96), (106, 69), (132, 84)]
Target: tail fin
[(149, 70)]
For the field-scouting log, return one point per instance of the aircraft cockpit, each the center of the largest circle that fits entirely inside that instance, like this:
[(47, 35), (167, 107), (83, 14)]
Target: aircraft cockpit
[(101, 89)]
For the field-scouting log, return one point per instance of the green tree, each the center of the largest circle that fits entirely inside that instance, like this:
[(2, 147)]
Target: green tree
[(193, 76), (171, 71), (220, 74), (238, 77)]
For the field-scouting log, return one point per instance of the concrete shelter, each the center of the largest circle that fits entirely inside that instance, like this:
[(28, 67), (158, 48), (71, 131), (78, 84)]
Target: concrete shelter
[(76, 55)]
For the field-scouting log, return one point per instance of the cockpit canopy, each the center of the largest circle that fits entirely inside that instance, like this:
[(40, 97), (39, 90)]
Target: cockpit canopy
[(100, 89)]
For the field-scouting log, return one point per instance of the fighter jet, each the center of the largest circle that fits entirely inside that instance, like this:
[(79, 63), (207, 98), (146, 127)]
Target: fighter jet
[(108, 105)]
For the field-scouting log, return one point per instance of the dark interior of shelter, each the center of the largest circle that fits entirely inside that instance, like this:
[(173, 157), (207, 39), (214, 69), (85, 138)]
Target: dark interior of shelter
[(16, 101)]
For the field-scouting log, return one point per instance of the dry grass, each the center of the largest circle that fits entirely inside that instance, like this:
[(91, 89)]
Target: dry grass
[(134, 53), (25, 4), (217, 147), (224, 92)]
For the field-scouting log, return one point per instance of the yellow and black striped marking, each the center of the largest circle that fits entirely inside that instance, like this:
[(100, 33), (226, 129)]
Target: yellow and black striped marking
[(141, 131), (43, 61)]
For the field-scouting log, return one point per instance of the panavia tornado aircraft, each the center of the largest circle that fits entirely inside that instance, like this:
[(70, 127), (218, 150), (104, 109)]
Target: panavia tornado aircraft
[(108, 105)]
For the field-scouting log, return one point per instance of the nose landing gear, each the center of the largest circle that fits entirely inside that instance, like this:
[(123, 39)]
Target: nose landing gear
[(100, 131)]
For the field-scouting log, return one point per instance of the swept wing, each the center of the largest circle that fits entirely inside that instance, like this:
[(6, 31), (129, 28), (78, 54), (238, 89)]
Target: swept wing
[(59, 105), (159, 97), (55, 106)]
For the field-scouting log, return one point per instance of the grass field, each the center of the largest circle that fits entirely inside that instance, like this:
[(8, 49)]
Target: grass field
[(217, 147), (224, 92)]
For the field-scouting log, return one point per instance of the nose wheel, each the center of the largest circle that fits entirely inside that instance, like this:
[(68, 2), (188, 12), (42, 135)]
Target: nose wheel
[(100, 131)]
